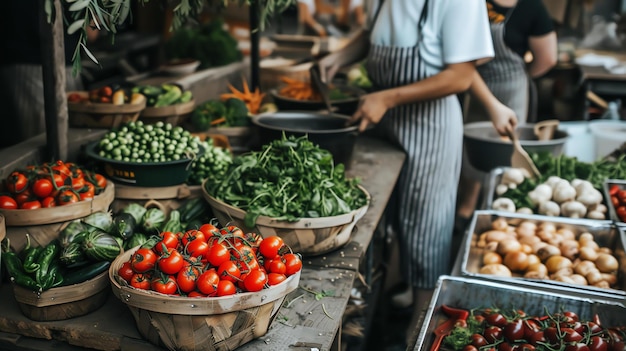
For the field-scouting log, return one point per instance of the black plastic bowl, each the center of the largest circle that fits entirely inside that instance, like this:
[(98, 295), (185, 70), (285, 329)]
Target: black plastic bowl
[(144, 174), (343, 106), (329, 131), (486, 150)]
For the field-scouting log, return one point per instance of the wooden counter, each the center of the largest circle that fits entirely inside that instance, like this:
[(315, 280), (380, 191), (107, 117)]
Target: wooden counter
[(303, 323)]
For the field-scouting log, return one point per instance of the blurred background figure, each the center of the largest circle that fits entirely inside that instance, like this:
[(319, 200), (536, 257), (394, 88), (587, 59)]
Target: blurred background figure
[(518, 27), (320, 18)]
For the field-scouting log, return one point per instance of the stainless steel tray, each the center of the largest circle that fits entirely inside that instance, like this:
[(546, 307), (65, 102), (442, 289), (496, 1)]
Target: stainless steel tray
[(468, 293), (605, 234), (612, 213)]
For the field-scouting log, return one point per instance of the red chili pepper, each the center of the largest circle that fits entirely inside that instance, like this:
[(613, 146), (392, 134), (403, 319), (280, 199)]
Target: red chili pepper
[(458, 313)]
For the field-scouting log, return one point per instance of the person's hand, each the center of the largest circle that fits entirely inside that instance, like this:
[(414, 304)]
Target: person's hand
[(503, 118), (328, 67), (372, 108), (321, 31)]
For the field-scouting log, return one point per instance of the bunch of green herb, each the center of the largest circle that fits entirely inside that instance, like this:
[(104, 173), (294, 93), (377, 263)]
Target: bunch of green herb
[(288, 179)]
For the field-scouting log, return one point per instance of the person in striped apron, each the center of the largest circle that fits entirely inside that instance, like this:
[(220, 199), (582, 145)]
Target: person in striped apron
[(419, 55), (517, 26)]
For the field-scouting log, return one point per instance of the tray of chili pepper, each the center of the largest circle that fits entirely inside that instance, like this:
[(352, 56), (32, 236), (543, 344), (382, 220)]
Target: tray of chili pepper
[(615, 193), (52, 193), (471, 315)]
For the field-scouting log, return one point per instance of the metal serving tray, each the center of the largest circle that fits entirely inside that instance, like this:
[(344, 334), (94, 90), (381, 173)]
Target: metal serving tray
[(605, 233), (612, 213), (468, 293)]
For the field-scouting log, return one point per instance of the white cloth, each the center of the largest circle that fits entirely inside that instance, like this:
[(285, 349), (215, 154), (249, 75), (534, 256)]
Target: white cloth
[(310, 4), (456, 30)]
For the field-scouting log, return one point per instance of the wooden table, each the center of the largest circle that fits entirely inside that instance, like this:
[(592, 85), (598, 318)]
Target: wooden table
[(303, 323)]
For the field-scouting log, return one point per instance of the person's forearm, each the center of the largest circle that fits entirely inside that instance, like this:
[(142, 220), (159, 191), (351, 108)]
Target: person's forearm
[(447, 82), (537, 69), (481, 92)]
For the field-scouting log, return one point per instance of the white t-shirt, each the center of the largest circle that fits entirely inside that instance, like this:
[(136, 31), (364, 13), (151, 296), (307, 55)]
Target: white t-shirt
[(455, 30)]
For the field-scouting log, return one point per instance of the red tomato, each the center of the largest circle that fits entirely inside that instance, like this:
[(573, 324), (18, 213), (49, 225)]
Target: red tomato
[(244, 253), (470, 348), (25, 196), (551, 334), (218, 254), (192, 235), (571, 335), (143, 260), (226, 287), (492, 334), (48, 202), (505, 346), (165, 284), (577, 347), (526, 347), (536, 338), (621, 195), (187, 278), (531, 327), (171, 261), (209, 230), (293, 263), (126, 271), (270, 246), (275, 278), (196, 294), (7, 202), (42, 187), (496, 319), (229, 271), (207, 282), (570, 316), (168, 240), (278, 266), (31, 205), (621, 213), (67, 197), (101, 181), (597, 343), (140, 281), (616, 346), (255, 280), (197, 248), (87, 192), (514, 330), (16, 182)]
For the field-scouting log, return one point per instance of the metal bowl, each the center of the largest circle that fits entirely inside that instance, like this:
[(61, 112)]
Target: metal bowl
[(345, 106), (329, 131), (487, 150)]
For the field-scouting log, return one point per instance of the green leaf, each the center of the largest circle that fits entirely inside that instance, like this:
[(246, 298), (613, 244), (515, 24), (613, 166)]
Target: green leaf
[(79, 5), (91, 56), (75, 26)]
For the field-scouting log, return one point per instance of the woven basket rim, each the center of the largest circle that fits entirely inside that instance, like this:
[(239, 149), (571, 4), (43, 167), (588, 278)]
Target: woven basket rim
[(169, 111), (303, 223), (193, 305), (103, 108), (20, 217)]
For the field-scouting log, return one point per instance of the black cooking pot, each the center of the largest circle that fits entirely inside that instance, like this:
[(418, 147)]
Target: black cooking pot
[(345, 106), (329, 131)]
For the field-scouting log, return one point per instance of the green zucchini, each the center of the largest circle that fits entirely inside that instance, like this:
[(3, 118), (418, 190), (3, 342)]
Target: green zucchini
[(123, 225), (173, 223), (84, 273)]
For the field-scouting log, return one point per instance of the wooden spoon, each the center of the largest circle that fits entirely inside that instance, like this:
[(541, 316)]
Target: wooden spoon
[(544, 130), (520, 158)]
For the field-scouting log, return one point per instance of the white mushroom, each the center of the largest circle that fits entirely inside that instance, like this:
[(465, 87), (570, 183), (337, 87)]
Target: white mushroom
[(599, 208), (596, 215), (573, 209), (581, 185), (524, 210), (541, 194), (589, 196), (501, 189), (549, 208), (554, 181), (503, 204), (512, 177), (563, 192)]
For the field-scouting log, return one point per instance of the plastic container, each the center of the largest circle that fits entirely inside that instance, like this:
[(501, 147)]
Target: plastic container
[(608, 135), (580, 143)]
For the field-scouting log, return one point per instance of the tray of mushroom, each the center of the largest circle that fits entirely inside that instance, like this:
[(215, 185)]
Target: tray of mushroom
[(561, 254)]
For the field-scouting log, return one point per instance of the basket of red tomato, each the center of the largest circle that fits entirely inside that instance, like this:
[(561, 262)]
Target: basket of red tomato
[(615, 192), (52, 193), (227, 283)]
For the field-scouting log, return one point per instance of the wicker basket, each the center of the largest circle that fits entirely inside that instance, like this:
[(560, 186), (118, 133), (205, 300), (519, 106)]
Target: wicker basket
[(202, 323), (174, 114), (102, 115), (165, 198), (308, 236), (19, 217), (63, 302)]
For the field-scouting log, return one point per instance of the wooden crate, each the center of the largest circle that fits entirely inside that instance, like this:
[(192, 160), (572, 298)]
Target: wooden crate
[(308, 236), (59, 214), (102, 115), (63, 302), (200, 323)]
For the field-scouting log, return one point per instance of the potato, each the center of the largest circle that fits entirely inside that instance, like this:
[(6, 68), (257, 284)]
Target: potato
[(496, 269), (606, 263), (508, 245), (556, 263), (490, 257), (516, 261)]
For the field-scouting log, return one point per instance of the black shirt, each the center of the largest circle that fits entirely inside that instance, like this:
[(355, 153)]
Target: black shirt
[(529, 18)]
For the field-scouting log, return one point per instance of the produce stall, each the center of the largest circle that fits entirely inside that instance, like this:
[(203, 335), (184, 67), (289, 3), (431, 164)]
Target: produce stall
[(311, 315)]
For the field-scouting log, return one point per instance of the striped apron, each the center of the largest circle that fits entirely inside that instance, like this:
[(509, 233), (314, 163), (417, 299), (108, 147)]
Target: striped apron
[(430, 132), (506, 77)]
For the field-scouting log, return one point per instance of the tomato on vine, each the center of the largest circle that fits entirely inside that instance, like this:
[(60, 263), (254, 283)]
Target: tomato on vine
[(164, 284), (67, 196), (218, 254), (207, 282), (275, 278), (225, 288), (143, 260), (187, 278), (31, 205), (293, 263), (270, 246), (255, 280), (7, 202), (16, 182), (140, 281), (171, 261), (126, 271), (229, 270), (42, 187)]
